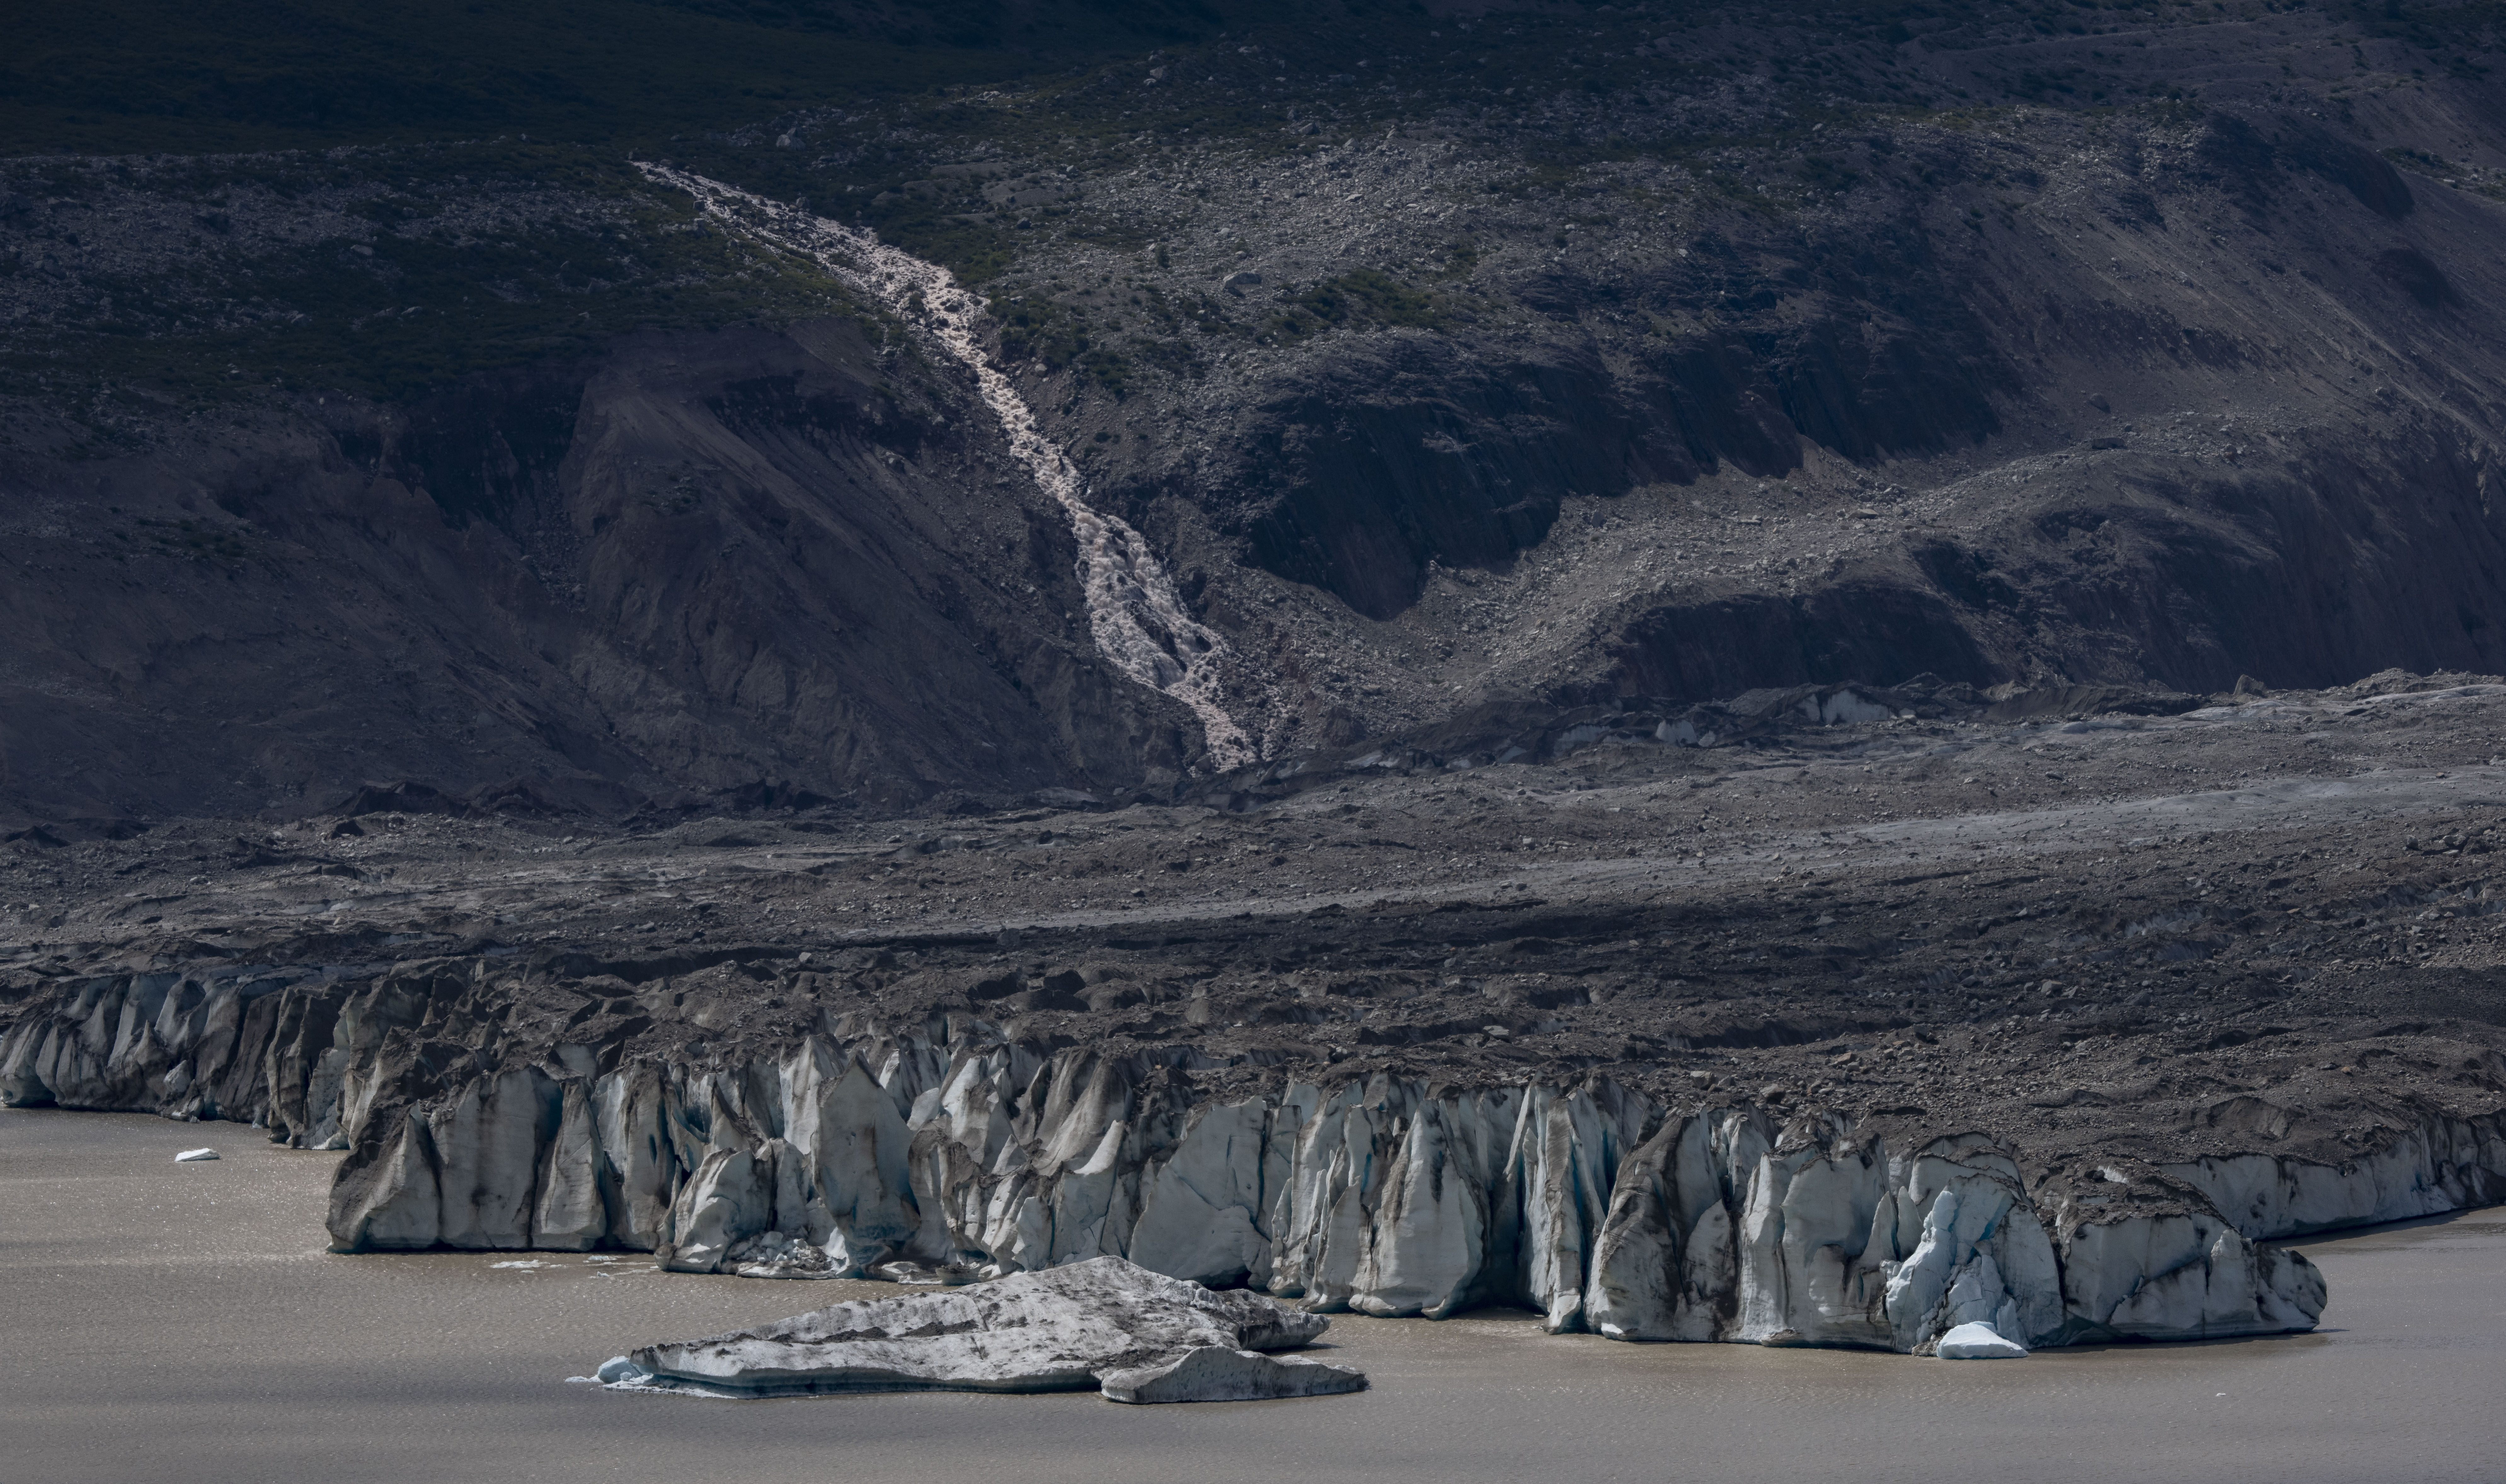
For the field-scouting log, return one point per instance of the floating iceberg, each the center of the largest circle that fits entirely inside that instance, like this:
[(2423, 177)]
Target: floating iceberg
[(1215, 1373), (1140, 1335), (1977, 1340)]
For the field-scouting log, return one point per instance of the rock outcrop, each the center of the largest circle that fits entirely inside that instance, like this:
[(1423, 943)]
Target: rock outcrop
[(1143, 1337)]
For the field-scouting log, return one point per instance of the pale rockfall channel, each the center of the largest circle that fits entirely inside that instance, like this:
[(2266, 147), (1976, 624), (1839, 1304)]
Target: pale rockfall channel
[(1140, 623), (948, 1150)]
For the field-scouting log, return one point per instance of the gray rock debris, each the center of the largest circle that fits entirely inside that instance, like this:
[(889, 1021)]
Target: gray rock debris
[(1142, 1336)]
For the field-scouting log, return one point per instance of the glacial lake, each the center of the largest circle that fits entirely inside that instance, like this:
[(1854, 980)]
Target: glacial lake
[(183, 1322)]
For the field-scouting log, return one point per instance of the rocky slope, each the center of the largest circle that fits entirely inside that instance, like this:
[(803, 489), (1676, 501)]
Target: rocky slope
[(1434, 361), (755, 594)]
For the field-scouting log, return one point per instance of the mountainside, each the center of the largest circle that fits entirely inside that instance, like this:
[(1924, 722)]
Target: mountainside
[(1752, 673), (1438, 357)]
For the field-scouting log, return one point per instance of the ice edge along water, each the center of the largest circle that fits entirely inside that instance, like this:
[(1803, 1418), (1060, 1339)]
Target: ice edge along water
[(950, 1152), (1138, 619)]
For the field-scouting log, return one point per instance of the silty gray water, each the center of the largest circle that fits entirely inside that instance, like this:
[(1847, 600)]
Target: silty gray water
[(186, 1321)]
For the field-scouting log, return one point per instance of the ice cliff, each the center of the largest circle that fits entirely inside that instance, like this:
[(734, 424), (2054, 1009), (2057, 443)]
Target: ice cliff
[(947, 1152), (915, 1157)]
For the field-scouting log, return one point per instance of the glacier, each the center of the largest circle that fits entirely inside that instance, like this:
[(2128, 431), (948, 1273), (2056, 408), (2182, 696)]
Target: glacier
[(947, 1152)]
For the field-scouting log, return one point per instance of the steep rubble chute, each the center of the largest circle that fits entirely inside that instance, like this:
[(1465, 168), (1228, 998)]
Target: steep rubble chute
[(1139, 620)]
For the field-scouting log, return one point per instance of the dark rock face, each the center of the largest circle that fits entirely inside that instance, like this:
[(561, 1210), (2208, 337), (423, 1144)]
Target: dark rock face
[(1668, 384), (2191, 581), (729, 565), (1391, 467), (1393, 457), (1724, 648)]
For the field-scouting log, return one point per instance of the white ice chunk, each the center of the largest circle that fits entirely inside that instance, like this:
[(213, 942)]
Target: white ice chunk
[(193, 1156), (617, 1370), (1978, 1341)]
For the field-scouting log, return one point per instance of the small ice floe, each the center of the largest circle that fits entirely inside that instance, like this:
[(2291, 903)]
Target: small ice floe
[(195, 1156), (1977, 1340), (527, 1265), (619, 1373), (946, 1275), (1216, 1373)]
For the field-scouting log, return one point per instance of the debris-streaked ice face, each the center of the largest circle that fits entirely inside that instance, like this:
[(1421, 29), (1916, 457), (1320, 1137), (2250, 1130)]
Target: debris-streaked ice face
[(1391, 1198)]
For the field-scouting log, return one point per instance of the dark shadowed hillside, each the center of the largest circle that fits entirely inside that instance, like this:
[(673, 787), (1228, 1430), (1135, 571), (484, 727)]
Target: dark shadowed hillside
[(1441, 356)]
